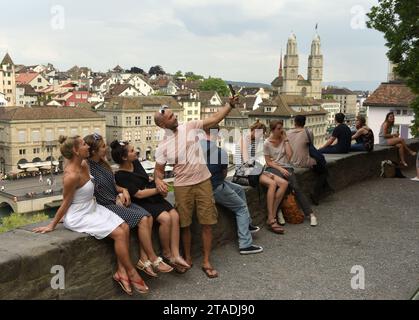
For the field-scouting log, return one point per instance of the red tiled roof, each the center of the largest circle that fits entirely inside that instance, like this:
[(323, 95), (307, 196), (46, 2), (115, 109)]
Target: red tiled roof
[(391, 94), (25, 78)]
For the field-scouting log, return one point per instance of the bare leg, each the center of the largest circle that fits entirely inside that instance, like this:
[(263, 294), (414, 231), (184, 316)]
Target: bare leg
[(401, 154), (280, 192), (121, 245), (174, 239), (186, 240), (164, 232), (206, 244), (270, 195)]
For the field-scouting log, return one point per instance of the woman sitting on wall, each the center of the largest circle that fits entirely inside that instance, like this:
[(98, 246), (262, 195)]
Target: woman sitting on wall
[(387, 138), (132, 176)]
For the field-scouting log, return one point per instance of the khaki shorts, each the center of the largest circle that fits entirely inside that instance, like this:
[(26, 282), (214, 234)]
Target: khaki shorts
[(197, 197)]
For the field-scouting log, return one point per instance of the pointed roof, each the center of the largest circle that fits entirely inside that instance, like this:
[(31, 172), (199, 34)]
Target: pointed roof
[(7, 60), (25, 78)]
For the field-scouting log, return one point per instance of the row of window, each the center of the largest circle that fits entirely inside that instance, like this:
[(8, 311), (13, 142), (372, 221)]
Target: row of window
[(49, 134), (137, 135), (190, 112), (137, 120)]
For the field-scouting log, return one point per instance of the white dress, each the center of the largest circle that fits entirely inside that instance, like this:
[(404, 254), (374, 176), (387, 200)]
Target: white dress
[(85, 215)]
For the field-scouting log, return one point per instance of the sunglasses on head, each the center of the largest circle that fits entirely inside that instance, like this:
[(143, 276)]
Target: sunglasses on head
[(97, 136), (163, 109)]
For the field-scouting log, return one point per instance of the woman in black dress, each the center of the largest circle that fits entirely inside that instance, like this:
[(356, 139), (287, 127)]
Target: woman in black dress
[(118, 200), (143, 192)]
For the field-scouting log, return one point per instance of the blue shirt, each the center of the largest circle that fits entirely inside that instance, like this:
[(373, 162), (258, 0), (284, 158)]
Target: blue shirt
[(217, 161)]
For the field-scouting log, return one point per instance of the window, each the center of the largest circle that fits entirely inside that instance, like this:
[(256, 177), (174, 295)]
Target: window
[(78, 96), (398, 112), (61, 131), (405, 112), (128, 121), (196, 111), (128, 136), (36, 136), (137, 136), (73, 131), (39, 80), (137, 121), (84, 96), (189, 112), (36, 150), (9, 83), (21, 136), (22, 151), (157, 135), (148, 135), (115, 134), (115, 120), (86, 131), (148, 120), (49, 135), (49, 149), (189, 119)]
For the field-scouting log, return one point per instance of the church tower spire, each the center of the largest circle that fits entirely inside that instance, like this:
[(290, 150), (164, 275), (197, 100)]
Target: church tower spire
[(291, 66), (280, 66), (315, 67)]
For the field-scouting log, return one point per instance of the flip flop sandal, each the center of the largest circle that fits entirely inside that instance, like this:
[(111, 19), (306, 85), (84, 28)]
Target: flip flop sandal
[(207, 271), (275, 227), (119, 280), (143, 266), (159, 261), (143, 289)]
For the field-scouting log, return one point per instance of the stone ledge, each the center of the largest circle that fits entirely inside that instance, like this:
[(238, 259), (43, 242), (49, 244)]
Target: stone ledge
[(26, 258)]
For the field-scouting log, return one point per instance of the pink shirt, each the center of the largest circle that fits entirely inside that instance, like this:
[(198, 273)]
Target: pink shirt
[(183, 150)]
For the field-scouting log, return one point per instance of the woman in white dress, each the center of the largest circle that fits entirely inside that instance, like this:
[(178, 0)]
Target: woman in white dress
[(83, 214)]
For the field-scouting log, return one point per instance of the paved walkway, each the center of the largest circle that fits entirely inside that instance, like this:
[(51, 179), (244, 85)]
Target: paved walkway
[(374, 224)]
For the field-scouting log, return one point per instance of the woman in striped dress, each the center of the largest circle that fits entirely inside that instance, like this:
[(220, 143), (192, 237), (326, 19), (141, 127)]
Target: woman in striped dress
[(117, 199)]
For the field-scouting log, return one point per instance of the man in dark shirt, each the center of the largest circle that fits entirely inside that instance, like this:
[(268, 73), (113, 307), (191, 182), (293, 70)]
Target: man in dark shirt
[(228, 194), (342, 133)]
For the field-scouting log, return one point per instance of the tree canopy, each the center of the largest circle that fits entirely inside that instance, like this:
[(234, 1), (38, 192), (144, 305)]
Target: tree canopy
[(399, 21), (216, 84)]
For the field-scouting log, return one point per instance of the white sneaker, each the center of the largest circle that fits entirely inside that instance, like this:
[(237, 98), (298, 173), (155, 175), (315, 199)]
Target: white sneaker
[(415, 179), (281, 219), (313, 221)]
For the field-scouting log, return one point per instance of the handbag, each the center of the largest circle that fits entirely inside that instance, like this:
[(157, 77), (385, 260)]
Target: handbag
[(290, 209), (248, 173), (314, 153)]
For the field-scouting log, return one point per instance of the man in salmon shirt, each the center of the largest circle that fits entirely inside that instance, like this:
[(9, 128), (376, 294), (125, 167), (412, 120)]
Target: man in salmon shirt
[(192, 185)]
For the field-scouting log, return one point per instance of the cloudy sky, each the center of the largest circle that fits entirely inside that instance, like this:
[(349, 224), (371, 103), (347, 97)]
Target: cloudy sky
[(233, 39)]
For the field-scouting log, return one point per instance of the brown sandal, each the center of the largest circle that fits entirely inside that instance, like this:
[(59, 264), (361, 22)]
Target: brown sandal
[(275, 227)]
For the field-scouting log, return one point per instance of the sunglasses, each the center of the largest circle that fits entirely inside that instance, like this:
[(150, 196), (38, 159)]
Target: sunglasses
[(97, 136), (163, 109)]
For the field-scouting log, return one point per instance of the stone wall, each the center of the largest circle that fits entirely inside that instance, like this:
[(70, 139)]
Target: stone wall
[(26, 258)]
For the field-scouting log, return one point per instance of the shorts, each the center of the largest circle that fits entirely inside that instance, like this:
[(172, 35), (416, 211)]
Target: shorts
[(199, 198)]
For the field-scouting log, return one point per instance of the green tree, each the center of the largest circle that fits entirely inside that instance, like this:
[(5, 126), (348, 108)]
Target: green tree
[(193, 77), (179, 74), (399, 21), (216, 84)]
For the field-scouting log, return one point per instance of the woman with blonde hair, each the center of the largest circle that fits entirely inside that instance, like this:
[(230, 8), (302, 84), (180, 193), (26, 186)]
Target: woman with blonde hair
[(83, 214)]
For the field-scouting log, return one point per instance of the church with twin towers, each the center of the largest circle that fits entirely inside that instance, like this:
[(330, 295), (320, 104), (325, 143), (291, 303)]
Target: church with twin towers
[(289, 82)]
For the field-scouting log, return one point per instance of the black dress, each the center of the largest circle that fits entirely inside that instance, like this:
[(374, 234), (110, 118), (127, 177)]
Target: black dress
[(139, 180), (105, 194)]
